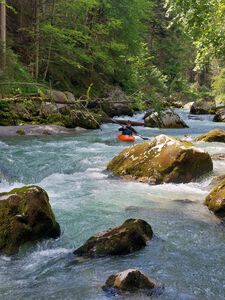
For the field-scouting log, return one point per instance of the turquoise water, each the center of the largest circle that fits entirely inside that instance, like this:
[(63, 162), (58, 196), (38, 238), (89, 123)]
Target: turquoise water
[(187, 256)]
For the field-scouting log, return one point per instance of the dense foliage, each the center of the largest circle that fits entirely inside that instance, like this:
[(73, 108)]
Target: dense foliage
[(151, 49)]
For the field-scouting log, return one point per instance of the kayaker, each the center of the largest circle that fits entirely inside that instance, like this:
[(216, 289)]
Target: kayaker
[(128, 129)]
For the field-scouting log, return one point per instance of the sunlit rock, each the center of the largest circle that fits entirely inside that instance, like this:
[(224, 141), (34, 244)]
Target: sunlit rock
[(132, 280), (215, 135), (216, 199), (165, 119), (131, 236), (163, 159), (25, 215), (188, 105)]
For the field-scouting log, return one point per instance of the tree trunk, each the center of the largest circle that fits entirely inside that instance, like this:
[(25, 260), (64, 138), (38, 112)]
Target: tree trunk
[(37, 37), (3, 34), (50, 43)]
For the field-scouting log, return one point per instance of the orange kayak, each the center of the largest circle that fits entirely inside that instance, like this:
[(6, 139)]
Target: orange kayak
[(126, 138)]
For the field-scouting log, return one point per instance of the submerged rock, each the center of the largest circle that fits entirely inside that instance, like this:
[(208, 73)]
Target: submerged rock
[(131, 280), (218, 156), (131, 236), (165, 119), (215, 135), (216, 199), (215, 181), (25, 215), (163, 159)]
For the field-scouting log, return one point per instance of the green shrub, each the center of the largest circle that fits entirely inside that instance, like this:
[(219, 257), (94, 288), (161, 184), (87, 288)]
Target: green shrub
[(218, 86)]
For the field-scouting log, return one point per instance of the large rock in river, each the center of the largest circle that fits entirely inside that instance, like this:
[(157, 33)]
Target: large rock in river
[(203, 107), (215, 135), (131, 280), (220, 115), (216, 199), (132, 235), (25, 215), (164, 159), (165, 119)]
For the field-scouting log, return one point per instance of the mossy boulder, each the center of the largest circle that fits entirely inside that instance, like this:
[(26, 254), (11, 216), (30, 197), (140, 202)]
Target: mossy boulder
[(131, 236), (215, 135), (216, 199), (60, 97), (131, 280), (25, 215), (85, 119), (75, 118), (163, 159), (167, 118)]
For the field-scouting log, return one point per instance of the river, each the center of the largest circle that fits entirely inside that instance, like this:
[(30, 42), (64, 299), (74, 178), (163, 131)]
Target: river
[(187, 255)]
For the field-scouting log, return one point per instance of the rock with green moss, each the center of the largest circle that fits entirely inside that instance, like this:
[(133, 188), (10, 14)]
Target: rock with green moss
[(216, 199), (131, 236), (25, 215), (166, 118), (132, 280), (163, 159), (21, 131), (85, 119), (60, 97), (215, 135)]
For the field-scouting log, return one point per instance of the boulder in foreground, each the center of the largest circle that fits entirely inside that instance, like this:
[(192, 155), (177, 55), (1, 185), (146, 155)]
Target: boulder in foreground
[(163, 159), (131, 236), (216, 199), (165, 119), (132, 280), (25, 215), (215, 135)]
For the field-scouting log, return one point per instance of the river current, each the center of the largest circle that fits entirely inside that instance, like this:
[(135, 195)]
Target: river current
[(187, 255)]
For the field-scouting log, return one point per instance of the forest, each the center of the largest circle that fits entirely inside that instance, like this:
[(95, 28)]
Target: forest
[(152, 50), (112, 149)]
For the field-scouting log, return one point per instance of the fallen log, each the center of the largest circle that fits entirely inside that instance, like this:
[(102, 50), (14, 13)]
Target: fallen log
[(124, 122)]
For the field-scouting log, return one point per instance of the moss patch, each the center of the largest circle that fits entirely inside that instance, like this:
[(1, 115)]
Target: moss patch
[(215, 135)]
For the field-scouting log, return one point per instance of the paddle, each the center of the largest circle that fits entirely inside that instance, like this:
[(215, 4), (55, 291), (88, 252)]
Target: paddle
[(142, 137)]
